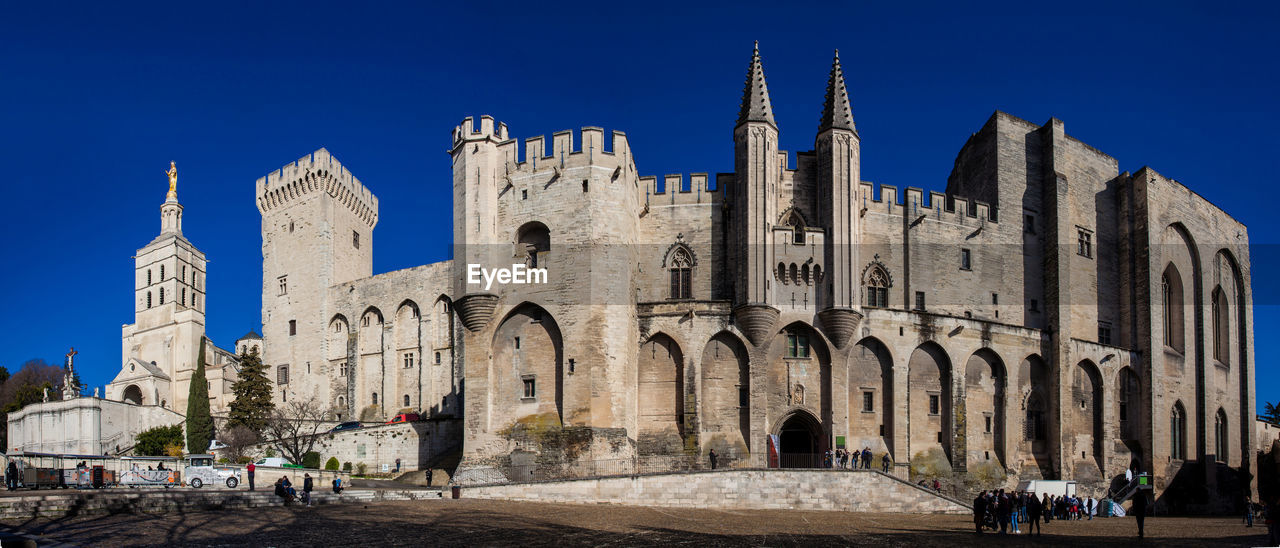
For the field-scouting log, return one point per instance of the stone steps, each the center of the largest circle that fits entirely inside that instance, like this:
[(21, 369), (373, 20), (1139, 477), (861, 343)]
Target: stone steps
[(60, 504)]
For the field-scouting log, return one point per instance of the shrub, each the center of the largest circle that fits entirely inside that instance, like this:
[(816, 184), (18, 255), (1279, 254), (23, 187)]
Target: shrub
[(361, 468), (153, 442), (311, 459), (331, 464), (346, 466), (173, 449), (270, 452)]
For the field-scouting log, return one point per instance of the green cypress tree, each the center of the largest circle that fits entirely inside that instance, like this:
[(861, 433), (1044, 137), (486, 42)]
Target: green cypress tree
[(252, 405), (199, 421)]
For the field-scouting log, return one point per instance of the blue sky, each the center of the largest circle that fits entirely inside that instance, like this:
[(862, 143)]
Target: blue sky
[(98, 98)]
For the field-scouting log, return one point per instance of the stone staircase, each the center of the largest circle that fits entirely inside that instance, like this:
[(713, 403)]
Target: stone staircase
[(75, 503)]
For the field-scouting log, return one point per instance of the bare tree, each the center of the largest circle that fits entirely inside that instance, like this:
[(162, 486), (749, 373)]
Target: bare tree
[(238, 439), (295, 426)]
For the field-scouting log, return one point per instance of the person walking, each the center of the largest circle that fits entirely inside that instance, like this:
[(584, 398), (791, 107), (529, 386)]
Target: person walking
[(937, 486), (1046, 506), (714, 457), (306, 488), (1034, 509), (1140, 510), (979, 511), (1090, 506), (250, 469), (429, 474)]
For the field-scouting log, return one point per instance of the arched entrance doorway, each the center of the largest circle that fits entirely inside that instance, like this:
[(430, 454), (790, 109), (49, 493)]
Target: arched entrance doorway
[(800, 442), (132, 394)]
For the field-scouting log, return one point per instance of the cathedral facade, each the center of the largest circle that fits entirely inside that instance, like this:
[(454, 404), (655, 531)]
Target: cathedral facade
[(1047, 314)]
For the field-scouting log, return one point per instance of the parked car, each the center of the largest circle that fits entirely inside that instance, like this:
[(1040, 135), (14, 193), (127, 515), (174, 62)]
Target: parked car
[(349, 425), (404, 417)]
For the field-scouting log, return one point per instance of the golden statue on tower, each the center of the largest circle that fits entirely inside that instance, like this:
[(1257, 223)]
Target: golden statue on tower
[(173, 178)]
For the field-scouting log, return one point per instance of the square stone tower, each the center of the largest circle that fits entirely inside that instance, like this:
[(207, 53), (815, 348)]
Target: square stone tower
[(317, 231)]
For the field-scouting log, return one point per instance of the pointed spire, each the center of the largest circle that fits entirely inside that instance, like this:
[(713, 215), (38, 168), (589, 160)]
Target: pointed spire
[(755, 96), (836, 113)]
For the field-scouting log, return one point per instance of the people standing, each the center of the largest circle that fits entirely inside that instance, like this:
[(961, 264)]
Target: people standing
[(979, 511), (306, 488), (250, 469), (429, 474), (11, 476), (1248, 511), (1046, 506), (1033, 511), (1013, 513), (884, 463), (866, 458), (1140, 509), (711, 455), (1090, 507)]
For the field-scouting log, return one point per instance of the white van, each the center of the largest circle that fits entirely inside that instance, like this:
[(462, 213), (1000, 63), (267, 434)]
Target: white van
[(1057, 488), (277, 462)]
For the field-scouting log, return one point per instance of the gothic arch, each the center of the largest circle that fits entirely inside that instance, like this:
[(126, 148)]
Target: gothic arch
[(929, 420), (985, 380), (1240, 299), (798, 369), (527, 369), (660, 396), (871, 395), (876, 282), (1085, 415), (726, 388), (533, 240), (1129, 403)]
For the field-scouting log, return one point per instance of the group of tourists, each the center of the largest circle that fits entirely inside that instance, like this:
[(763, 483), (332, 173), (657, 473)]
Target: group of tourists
[(284, 490), (845, 459), (1002, 511)]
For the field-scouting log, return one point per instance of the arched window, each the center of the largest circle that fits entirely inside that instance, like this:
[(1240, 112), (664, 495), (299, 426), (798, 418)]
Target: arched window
[(162, 273), (162, 295), (1221, 327), (1171, 303), (184, 296), (148, 276), (148, 299), (533, 241), (375, 398), (1220, 437), (795, 274), (680, 266), (877, 287), (782, 273), (406, 400), (804, 274), (1034, 426), (797, 228), (1178, 432), (817, 274), (342, 402)]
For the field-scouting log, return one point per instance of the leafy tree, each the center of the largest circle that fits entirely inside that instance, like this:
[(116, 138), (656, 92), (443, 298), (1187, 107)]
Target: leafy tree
[(331, 464), (346, 466), (252, 405), (153, 442), (1271, 412), (311, 460), (199, 421)]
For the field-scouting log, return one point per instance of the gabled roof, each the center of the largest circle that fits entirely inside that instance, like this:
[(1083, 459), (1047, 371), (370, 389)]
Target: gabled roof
[(250, 335), (148, 367)]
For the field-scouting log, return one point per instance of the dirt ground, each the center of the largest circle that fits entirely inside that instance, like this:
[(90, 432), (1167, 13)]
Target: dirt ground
[(491, 523)]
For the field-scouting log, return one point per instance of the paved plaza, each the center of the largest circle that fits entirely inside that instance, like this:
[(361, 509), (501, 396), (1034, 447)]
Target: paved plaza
[(491, 523)]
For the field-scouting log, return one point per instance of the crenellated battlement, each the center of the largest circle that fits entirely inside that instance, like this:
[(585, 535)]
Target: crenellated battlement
[(912, 202), (700, 190), (316, 172), (564, 149)]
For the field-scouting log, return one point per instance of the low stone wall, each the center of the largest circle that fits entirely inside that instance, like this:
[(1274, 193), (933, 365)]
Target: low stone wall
[(267, 476), (857, 491), (75, 503)]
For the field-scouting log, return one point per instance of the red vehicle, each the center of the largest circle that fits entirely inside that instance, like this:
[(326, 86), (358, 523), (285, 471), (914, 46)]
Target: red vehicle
[(404, 417)]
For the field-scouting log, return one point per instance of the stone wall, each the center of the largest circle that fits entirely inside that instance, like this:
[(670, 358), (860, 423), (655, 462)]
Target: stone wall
[(84, 426), (857, 491)]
